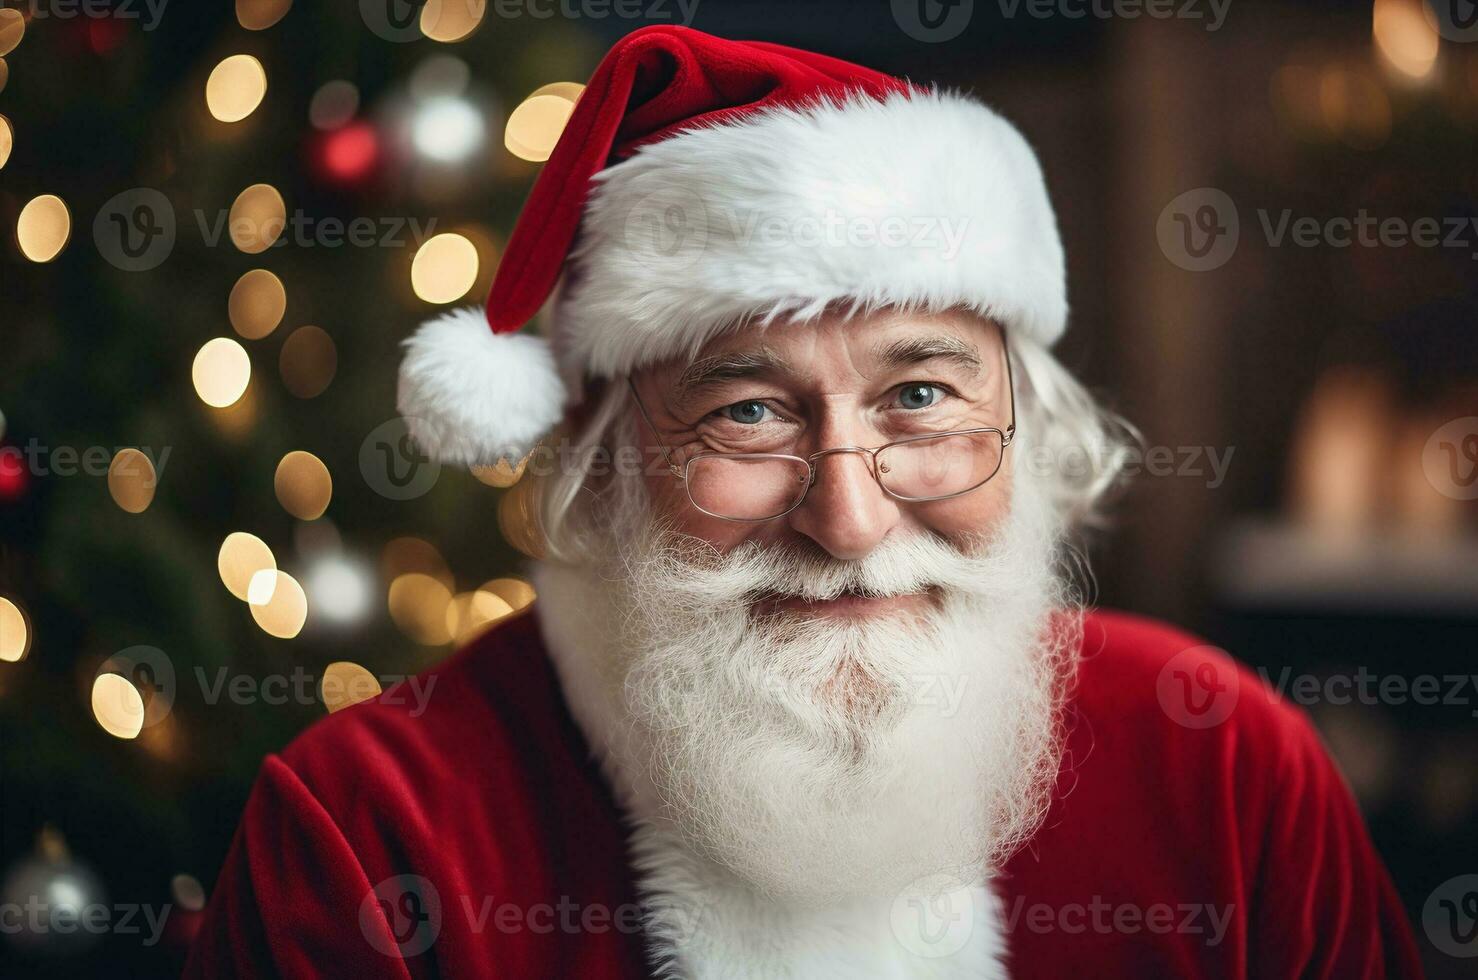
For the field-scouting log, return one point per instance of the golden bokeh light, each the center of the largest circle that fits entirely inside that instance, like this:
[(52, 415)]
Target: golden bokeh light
[(257, 219), (501, 474), (221, 372), (405, 555), (263, 584), (451, 20), (308, 362), (7, 140), (235, 422), (242, 556), (518, 519), (1405, 37), (304, 486), (257, 304), (12, 29), (472, 613), (285, 612), (444, 269), (418, 606), (15, 632), (258, 15), (132, 481), (569, 91), (43, 228), (235, 88), (534, 128), (514, 591), (117, 705), (345, 683), (4, 74)]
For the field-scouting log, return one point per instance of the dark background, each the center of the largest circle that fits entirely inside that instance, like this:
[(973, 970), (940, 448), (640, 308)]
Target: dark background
[(1341, 540)]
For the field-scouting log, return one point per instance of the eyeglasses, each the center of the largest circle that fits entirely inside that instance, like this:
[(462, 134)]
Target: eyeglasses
[(755, 487)]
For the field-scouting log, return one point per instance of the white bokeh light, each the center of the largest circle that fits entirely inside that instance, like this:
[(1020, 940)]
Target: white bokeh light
[(448, 130), (339, 589)]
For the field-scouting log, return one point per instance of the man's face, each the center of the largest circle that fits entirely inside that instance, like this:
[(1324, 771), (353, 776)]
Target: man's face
[(801, 389), (768, 693)]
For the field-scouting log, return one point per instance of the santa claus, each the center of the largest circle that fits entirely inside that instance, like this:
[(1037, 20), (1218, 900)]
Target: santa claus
[(809, 689)]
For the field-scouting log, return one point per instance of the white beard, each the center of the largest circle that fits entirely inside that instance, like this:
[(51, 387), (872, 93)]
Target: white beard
[(812, 763)]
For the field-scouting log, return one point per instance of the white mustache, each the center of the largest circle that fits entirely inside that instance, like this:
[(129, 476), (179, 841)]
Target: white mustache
[(902, 564)]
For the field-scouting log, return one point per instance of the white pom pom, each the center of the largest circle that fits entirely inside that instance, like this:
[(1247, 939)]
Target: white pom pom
[(473, 397)]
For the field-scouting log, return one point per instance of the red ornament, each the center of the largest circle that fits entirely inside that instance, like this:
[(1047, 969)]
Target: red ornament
[(349, 154), (13, 475)]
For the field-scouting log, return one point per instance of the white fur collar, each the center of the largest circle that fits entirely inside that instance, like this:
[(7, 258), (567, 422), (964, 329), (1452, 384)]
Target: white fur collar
[(703, 923)]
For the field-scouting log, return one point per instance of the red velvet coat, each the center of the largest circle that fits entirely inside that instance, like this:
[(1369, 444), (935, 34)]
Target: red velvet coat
[(1229, 850)]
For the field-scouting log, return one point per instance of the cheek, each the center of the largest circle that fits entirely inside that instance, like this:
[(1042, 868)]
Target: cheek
[(978, 512), (671, 503)]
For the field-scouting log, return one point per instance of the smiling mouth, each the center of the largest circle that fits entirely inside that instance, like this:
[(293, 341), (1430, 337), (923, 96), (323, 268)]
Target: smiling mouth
[(850, 603)]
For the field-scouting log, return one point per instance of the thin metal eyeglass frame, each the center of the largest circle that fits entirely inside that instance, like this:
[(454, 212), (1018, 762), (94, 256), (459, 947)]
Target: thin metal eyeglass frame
[(1007, 435)]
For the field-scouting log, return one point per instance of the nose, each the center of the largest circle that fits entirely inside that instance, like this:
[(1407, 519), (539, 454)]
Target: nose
[(846, 512)]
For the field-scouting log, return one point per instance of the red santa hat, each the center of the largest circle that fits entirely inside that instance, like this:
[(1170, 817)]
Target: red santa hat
[(701, 184)]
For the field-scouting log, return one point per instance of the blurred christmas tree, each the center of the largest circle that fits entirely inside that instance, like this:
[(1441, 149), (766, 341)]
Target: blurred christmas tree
[(253, 207)]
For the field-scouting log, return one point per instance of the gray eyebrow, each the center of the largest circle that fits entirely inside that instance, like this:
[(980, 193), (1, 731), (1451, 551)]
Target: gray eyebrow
[(728, 367), (915, 350)]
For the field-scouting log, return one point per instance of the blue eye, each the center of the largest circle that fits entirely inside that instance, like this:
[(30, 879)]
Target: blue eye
[(918, 396), (747, 413)]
